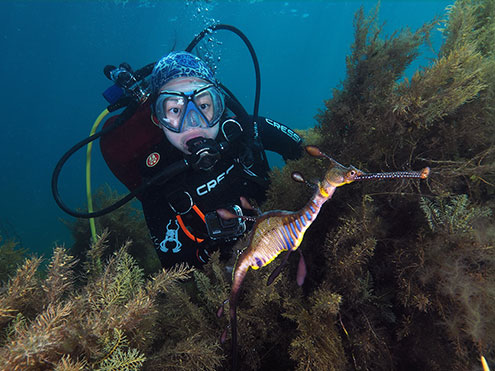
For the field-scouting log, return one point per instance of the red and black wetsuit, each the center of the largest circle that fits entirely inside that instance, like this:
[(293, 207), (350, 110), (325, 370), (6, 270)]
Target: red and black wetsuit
[(218, 187)]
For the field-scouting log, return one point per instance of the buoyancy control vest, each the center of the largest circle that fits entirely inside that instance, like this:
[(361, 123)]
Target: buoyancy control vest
[(136, 132), (125, 149)]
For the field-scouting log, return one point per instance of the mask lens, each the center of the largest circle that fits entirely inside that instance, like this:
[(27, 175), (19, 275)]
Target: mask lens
[(178, 111), (173, 109), (204, 102), (193, 118)]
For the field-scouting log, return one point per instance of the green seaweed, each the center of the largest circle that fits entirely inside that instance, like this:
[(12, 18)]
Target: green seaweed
[(415, 274), (456, 216), (11, 256), (104, 324), (125, 223), (401, 274)]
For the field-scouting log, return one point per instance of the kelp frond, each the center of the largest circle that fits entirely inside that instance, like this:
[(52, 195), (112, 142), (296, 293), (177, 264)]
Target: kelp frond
[(438, 91), (120, 280), (42, 342), (193, 353), (118, 355), (470, 22), (125, 360), (67, 364), (93, 264), (168, 277)]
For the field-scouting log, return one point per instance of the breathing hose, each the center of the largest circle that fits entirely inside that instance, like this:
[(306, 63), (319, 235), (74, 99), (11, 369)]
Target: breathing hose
[(89, 196), (256, 64), (130, 108)]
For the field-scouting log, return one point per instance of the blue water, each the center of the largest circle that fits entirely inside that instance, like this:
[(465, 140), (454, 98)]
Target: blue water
[(53, 53)]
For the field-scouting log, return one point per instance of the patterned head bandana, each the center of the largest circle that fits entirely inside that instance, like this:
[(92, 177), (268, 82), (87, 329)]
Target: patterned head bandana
[(179, 64)]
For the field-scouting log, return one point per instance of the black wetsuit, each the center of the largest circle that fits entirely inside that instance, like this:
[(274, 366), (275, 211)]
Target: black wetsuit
[(219, 187)]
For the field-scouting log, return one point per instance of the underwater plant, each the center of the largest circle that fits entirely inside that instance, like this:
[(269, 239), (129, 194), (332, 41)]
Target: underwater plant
[(125, 223), (411, 263), (400, 274), (456, 216), (439, 116), (47, 323), (277, 231), (11, 256)]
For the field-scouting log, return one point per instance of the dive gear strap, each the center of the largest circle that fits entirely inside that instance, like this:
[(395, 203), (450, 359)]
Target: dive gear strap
[(134, 92)]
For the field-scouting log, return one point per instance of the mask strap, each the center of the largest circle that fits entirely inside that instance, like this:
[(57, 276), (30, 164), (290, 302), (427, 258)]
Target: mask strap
[(153, 118)]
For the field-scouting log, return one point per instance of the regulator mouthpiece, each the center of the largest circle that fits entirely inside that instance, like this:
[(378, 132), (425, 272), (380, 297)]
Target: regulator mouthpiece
[(205, 153)]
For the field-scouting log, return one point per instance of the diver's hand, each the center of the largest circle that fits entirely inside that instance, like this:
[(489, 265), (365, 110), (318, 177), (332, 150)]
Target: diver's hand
[(248, 209)]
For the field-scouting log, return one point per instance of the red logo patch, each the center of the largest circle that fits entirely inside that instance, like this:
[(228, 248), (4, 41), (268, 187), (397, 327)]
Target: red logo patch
[(153, 159)]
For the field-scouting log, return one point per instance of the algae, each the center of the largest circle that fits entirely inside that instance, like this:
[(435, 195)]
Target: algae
[(105, 324), (11, 256), (412, 263), (125, 223), (400, 274)]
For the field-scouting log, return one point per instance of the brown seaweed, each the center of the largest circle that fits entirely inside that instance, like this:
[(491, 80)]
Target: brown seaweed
[(401, 276)]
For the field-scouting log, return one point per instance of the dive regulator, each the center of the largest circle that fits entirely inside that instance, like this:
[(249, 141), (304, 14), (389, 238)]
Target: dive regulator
[(131, 90)]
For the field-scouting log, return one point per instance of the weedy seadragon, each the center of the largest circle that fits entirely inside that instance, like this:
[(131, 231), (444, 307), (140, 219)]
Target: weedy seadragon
[(276, 231)]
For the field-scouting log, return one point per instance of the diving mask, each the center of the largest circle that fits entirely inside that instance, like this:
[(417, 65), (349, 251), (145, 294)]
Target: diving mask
[(179, 112)]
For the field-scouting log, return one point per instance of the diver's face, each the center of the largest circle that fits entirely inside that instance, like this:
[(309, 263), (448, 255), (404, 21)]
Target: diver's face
[(179, 140)]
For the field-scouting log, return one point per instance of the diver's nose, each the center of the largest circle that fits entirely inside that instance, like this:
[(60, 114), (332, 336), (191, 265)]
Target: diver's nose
[(193, 119)]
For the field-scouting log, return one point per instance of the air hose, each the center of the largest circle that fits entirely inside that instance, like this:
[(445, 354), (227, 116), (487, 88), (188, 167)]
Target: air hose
[(131, 106), (256, 64), (89, 196)]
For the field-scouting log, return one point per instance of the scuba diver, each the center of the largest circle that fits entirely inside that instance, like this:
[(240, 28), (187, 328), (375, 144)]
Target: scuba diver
[(184, 146), (191, 121)]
